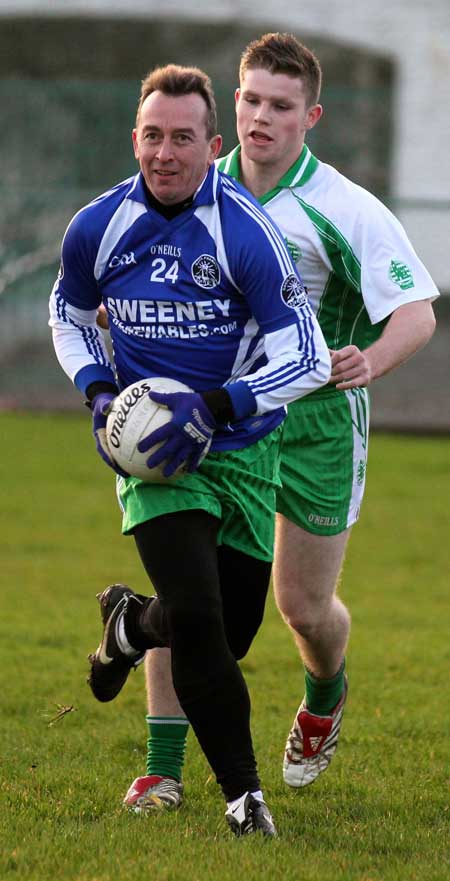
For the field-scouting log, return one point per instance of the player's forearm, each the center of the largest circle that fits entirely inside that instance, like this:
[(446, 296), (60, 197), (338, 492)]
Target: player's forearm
[(79, 344), (408, 330)]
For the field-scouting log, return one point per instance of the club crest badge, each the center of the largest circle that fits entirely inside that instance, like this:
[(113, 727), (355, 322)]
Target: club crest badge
[(293, 292), (206, 271), (294, 250), (401, 274)]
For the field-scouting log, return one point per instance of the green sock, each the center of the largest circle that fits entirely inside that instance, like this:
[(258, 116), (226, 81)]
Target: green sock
[(166, 745), (322, 695)]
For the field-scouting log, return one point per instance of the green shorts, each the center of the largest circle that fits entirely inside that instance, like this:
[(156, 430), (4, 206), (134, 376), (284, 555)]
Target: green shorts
[(237, 486), (323, 460)]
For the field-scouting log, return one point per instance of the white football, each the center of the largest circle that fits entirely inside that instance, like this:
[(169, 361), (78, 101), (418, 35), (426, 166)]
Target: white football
[(133, 416)]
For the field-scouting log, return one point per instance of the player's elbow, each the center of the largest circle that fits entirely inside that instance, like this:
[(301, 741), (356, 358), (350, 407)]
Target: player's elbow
[(429, 324), (425, 325), (418, 321)]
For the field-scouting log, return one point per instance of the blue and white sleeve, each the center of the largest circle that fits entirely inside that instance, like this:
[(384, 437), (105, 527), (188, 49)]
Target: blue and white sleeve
[(78, 341), (298, 360), (79, 344)]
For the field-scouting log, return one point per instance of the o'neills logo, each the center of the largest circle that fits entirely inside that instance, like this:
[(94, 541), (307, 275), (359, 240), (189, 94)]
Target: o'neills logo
[(127, 402)]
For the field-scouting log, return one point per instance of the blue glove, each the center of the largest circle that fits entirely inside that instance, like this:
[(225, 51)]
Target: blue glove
[(187, 437), (100, 407)]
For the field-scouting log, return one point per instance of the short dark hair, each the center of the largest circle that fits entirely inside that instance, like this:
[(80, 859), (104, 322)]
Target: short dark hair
[(283, 53), (176, 80)]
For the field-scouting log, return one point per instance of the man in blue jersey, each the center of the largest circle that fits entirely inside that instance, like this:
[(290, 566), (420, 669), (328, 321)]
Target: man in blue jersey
[(198, 286), (372, 296)]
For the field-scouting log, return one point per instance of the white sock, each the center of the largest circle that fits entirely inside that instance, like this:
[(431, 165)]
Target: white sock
[(122, 640), (232, 805)]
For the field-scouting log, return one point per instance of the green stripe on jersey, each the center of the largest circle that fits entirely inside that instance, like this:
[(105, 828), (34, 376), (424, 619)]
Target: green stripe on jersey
[(341, 313), (342, 258), (343, 317)]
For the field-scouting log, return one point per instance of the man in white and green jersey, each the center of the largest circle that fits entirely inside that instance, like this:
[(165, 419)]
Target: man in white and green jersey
[(372, 296)]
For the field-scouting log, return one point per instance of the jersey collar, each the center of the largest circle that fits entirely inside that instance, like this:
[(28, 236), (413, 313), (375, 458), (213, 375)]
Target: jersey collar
[(296, 176)]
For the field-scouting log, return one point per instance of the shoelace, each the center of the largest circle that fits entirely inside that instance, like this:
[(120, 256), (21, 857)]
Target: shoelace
[(295, 742)]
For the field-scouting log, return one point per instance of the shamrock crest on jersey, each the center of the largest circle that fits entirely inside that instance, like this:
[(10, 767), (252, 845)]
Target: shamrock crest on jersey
[(293, 292), (401, 274), (206, 271), (361, 472), (293, 249)]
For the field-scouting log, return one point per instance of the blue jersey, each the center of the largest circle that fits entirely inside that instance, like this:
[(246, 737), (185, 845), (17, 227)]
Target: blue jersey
[(210, 297)]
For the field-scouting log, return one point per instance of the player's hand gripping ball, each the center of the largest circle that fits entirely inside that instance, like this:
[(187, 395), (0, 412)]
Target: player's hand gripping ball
[(178, 446)]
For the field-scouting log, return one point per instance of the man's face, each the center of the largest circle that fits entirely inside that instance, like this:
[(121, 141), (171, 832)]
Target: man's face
[(172, 147), (273, 117)]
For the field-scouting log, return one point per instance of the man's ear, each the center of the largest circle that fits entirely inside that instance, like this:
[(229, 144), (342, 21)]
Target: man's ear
[(215, 146), (135, 143), (313, 115)]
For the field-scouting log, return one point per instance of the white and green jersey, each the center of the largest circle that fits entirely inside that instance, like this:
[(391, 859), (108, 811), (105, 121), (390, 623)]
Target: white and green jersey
[(353, 254), (359, 266)]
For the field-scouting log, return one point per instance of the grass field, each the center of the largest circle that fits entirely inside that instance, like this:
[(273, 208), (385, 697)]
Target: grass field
[(381, 812)]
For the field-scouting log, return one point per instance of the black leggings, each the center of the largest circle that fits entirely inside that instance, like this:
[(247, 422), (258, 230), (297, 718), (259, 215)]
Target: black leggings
[(211, 603)]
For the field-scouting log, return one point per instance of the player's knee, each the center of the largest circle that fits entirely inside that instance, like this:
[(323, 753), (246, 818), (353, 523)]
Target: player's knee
[(304, 618), (241, 631), (308, 628), (312, 616), (197, 622), (239, 646)]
